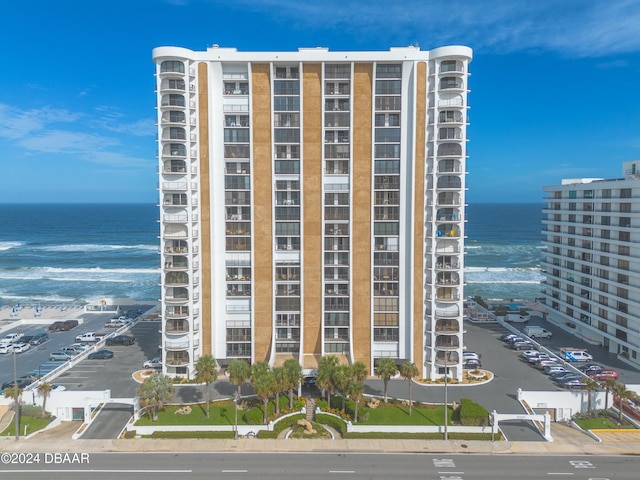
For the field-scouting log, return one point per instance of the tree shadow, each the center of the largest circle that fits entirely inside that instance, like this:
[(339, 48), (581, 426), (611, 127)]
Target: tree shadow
[(190, 393)]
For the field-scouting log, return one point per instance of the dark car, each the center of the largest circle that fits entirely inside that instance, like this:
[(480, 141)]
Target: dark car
[(56, 326), (26, 339), (121, 340), (22, 383), (101, 355), (521, 345), (69, 324), (505, 337), (39, 338), (472, 363)]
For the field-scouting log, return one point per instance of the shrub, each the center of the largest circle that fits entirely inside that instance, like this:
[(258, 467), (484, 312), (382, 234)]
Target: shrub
[(472, 414), (31, 411), (332, 421), (253, 416)]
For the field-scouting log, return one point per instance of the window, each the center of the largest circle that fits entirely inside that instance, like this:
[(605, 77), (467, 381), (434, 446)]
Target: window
[(286, 135), (387, 135), (172, 66), (287, 120), (283, 87), (387, 119), (337, 71), (236, 151), (391, 228), (285, 228), (286, 103), (385, 334), (388, 87), (176, 117), (236, 135), (388, 103), (387, 151), (450, 82), (387, 166), (388, 70), (449, 66)]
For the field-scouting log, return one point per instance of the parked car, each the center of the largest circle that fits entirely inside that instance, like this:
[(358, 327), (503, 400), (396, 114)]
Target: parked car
[(471, 363), (69, 324), (121, 340), (39, 338), (505, 337), (26, 338), (11, 338), (71, 351), (20, 347), (549, 369), (590, 368), (527, 354), (86, 337), (521, 345), (60, 356), (21, 384), (604, 374), (117, 323), (578, 356), (534, 331), (79, 347), (515, 339), (466, 355), (101, 355), (58, 388), (6, 348), (572, 383), (557, 375), (155, 362), (545, 363), (56, 326), (569, 376), (541, 356)]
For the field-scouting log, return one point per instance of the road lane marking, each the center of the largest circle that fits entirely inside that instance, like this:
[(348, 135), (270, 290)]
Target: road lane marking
[(234, 471), (96, 470), (559, 473), (342, 471)]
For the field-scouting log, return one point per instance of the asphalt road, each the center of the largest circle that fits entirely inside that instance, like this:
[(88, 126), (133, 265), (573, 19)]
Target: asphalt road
[(317, 466), (109, 425)]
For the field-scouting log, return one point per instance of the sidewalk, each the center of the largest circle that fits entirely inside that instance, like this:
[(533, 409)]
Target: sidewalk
[(567, 442)]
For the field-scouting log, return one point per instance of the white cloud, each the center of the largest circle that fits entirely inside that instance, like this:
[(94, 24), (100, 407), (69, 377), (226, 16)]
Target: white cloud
[(582, 28)]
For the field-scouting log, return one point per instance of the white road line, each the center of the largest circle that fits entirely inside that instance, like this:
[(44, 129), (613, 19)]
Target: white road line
[(453, 473), (49, 470), (559, 473), (342, 471), (234, 471)]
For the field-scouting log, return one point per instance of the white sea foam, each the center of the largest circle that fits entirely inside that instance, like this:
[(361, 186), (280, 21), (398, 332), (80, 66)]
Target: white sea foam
[(95, 248), (96, 274), (503, 275), (10, 245)]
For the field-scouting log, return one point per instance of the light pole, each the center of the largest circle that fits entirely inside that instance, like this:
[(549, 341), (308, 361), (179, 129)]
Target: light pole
[(446, 374), (16, 405), (235, 408)]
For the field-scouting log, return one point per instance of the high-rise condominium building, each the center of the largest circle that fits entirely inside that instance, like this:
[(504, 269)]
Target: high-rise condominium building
[(592, 260), (312, 203)]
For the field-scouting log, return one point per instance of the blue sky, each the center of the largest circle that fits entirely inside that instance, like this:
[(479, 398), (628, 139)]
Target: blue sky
[(555, 86)]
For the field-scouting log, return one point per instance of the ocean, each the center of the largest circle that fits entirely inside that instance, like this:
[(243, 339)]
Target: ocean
[(66, 254)]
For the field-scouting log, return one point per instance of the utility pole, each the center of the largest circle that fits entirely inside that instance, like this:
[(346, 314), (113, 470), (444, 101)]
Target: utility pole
[(16, 405), (446, 402)]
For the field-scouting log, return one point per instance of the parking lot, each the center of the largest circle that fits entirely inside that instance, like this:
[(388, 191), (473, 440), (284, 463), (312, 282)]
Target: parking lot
[(88, 374)]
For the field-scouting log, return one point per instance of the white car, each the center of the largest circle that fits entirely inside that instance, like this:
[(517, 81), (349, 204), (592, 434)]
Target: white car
[(79, 347), (6, 348), (86, 337), (578, 356), (153, 363), (20, 347), (11, 338)]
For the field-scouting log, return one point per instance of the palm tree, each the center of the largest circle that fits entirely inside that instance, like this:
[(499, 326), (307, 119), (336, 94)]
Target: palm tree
[(293, 372), (355, 390), (326, 375), (207, 373), (609, 385), (409, 370), (589, 385), (623, 394), (155, 390), (239, 372), (386, 369), (359, 371), (280, 384), (263, 381), (45, 389), (341, 379)]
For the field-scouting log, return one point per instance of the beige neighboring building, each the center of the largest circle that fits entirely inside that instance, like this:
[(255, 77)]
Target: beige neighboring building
[(312, 203)]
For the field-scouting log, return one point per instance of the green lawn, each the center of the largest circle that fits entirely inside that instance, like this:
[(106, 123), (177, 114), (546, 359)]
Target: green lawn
[(599, 422), (398, 414), (33, 425), (220, 413)]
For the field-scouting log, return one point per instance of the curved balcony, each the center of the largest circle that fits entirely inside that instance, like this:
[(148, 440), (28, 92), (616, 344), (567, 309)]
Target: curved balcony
[(176, 295), (447, 278), (448, 230), (179, 218), (449, 182), (175, 150), (176, 312), (176, 358), (451, 66), (448, 198), (448, 214), (447, 263), (174, 166), (173, 100), (176, 279), (177, 84), (176, 345), (176, 246), (446, 311), (176, 263), (173, 116), (176, 327), (451, 83), (449, 149), (453, 116), (449, 165), (176, 231), (447, 358), (447, 246), (447, 294), (447, 327), (447, 342)]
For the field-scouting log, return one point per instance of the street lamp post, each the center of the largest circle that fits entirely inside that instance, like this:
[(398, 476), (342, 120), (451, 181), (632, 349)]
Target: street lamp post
[(16, 405), (235, 408)]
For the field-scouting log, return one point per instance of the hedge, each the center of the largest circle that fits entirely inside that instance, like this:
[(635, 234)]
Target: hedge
[(472, 414)]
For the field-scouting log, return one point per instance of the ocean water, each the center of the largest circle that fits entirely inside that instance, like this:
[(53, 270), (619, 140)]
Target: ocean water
[(66, 254), (504, 250)]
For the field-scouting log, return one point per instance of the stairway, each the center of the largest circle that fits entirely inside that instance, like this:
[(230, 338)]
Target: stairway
[(311, 409)]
